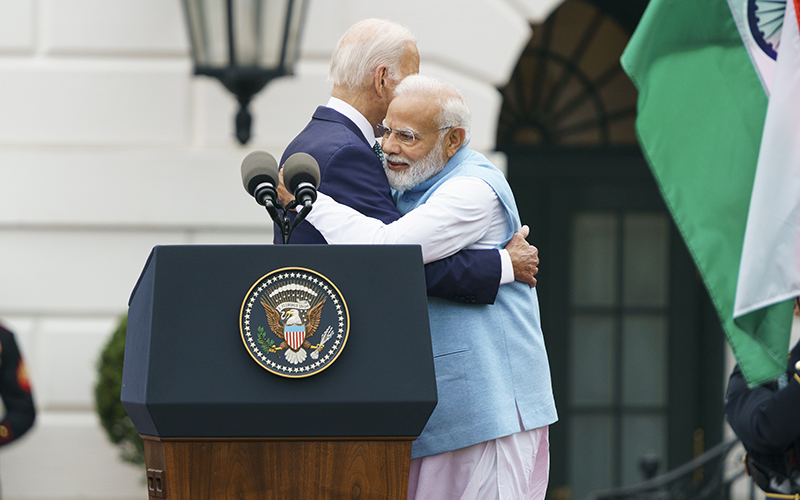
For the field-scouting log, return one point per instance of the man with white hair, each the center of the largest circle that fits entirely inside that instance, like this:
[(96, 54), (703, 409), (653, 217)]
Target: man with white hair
[(369, 61), (488, 436)]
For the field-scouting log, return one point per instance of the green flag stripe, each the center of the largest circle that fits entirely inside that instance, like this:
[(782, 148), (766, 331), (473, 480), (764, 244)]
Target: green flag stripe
[(701, 111)]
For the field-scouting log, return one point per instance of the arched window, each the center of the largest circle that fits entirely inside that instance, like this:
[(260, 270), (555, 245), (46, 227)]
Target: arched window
[(568, 88)]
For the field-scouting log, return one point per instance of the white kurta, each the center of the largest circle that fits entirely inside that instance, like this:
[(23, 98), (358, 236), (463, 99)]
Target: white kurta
[(463, 213)]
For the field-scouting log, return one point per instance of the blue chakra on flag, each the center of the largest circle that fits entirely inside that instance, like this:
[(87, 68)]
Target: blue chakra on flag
[(765, 19), (294, 322)]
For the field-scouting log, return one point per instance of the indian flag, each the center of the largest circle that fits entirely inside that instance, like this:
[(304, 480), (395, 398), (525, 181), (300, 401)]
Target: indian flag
[(701, 117), (770, 267)]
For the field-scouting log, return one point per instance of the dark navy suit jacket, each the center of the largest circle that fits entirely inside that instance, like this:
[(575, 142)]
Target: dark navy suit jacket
[(765, 418), (352, 174)]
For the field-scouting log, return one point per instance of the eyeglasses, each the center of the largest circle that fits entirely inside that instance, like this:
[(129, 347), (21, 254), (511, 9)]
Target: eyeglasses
[(404, 135)]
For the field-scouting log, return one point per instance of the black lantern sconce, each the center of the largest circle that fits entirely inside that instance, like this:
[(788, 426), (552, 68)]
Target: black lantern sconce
[(244, 44)]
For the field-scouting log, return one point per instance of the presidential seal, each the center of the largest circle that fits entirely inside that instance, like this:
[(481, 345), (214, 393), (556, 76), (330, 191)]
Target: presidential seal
[(294, 322)]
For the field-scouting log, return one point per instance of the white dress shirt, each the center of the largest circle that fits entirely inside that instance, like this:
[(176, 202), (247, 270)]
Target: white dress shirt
[(355, 116), (464, 212)]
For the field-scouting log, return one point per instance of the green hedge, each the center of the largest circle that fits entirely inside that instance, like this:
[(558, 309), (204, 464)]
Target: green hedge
[(115, 421)]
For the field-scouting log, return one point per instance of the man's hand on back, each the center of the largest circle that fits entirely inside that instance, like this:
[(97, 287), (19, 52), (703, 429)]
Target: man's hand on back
[(283, 194), (524, 257)]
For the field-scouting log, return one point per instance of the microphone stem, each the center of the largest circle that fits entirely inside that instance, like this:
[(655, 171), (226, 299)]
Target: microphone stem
[(280, 220), (286, 229), (300, 216)]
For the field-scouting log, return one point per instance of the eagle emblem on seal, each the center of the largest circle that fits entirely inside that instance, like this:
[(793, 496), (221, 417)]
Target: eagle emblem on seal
[(292, 330), (294, 322)]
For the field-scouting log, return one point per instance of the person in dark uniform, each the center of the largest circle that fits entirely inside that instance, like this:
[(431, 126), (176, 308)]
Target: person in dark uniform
[(767, 420), (15, 390)]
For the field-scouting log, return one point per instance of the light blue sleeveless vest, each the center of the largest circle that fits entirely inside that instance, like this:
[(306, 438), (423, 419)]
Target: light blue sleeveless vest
[(490, 360)]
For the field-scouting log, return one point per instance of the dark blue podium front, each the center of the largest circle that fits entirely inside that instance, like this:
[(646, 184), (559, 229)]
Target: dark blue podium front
[(187, 373)]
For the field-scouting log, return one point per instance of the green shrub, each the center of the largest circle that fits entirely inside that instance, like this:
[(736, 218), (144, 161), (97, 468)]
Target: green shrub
[(112, 414)]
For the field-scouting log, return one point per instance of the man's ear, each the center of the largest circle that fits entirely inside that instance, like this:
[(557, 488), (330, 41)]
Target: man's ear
[(454, 140), (380, 80)]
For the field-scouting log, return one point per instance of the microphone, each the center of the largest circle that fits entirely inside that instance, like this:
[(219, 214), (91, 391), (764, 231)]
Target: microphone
[(301, 176), (260, 177)]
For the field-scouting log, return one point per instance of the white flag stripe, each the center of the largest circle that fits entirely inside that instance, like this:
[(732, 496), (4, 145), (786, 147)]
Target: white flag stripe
[(770, 267), (763, 64)]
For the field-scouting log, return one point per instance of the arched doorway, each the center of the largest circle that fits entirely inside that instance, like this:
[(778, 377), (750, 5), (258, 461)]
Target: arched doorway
[(635, 347)]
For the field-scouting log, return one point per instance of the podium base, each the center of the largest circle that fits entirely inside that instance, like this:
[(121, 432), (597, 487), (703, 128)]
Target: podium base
[(279, 469)]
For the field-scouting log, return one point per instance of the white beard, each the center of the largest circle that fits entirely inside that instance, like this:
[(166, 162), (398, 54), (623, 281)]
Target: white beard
[(418, 171)]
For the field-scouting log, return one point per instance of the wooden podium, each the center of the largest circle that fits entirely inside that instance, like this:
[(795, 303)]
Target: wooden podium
[(218, 425)]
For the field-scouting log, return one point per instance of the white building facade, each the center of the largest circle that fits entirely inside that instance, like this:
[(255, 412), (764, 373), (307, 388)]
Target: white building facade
[(110, 146)]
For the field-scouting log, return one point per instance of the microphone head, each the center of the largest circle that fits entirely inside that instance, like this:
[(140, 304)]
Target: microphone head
[(300, 168), (259, 167)]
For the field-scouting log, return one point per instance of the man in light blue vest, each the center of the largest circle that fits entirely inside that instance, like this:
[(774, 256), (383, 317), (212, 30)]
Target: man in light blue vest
[(488, 436)]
